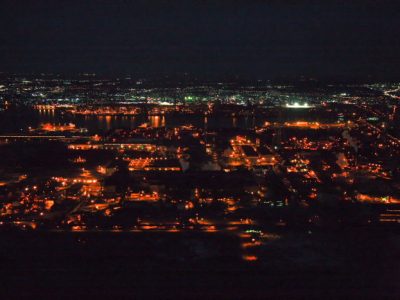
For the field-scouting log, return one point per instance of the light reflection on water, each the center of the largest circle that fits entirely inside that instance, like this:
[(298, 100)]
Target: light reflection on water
[(15, 121)]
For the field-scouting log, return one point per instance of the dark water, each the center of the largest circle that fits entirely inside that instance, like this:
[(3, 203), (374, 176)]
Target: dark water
[(163, 265), (18, 121)]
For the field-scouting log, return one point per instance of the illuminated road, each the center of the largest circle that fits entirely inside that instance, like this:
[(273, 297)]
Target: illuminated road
[(391, 137), (250, 240), (388, 93)]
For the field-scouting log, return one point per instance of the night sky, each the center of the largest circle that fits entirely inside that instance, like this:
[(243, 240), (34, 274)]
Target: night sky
[(254, 39)]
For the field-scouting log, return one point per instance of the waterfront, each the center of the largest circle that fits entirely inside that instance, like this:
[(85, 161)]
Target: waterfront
[(17, 121)]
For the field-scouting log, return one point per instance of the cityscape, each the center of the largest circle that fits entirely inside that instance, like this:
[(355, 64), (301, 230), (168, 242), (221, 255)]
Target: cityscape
[(198, 150), (249, 163)]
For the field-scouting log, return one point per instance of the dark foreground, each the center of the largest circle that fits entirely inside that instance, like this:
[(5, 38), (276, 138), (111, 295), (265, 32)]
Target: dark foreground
[(62, 265)]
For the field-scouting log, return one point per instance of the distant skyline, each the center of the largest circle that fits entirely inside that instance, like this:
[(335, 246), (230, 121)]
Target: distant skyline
[(250, 39)]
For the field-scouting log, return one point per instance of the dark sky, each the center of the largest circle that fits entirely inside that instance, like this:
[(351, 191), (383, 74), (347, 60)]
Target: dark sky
[(257, 39)]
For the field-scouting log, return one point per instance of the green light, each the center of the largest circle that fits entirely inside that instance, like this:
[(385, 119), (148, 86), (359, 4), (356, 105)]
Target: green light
[(189, 98)]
